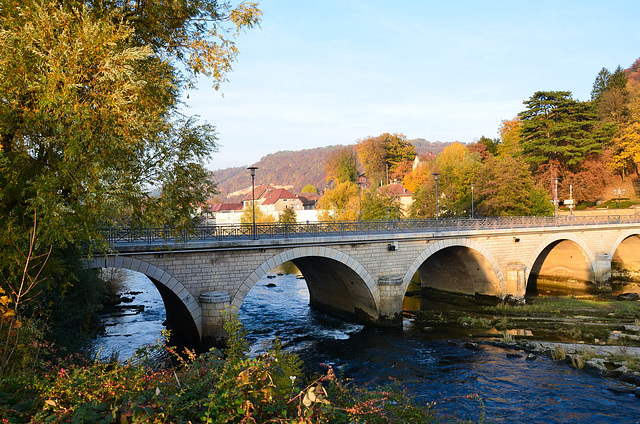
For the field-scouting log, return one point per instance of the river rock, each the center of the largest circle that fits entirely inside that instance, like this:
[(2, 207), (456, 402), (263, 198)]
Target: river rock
[(472, 346), (271, 285), (631, 296), (513, 355), (622, 390), (532, 357)]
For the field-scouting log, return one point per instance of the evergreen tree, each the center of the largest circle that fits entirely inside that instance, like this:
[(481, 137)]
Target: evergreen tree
[(558, 129)]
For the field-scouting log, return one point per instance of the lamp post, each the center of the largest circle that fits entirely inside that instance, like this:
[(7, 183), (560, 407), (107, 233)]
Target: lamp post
[(619, 193), (555, 199), (435, 176), (473, 215), (253, 198), (361, 181)]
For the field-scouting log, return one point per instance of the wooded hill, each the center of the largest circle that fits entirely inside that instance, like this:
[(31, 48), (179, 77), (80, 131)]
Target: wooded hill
[(295, 167)]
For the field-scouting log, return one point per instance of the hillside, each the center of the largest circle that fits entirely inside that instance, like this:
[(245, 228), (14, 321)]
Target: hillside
[(297, 168)]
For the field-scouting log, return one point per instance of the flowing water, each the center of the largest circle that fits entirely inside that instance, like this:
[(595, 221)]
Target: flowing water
[(512, 390), (134, 323)]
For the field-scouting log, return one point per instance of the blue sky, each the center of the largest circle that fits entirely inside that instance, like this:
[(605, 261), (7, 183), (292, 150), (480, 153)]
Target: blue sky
[(326, 72)]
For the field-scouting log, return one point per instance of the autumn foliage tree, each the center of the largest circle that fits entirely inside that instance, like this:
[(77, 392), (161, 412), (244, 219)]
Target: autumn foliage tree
[(340, 203), (385, 157)]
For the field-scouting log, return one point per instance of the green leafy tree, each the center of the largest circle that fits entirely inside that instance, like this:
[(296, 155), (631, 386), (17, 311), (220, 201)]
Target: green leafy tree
[(310, 188), (559, 130), (458, 168), (377, 205), (610, 96), (424, 201), (91, 122), (506, 188)]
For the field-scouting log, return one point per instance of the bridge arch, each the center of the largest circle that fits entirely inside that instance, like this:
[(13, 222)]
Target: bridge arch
[(626, 250), (441, 245), (183, 311), (335, 280), (544, 247), (625, 235)]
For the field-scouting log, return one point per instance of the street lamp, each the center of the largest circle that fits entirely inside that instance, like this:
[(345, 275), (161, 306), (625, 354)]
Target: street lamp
[(472, 213), (555, 199), (435, 176), (253, 198), (361, 181), (619, 193)]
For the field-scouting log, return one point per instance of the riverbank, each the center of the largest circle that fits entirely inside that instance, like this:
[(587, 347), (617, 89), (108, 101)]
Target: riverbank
[(592, 331)]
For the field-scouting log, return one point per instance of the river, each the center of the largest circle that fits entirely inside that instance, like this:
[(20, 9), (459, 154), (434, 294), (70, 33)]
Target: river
[(444, 371)]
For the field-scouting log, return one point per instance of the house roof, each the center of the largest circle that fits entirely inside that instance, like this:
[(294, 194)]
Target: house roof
[(396, 190), (225, 207), (309, 198), (259, 190), (279, 193)]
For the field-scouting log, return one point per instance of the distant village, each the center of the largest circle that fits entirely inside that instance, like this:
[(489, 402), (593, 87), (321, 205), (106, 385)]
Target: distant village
[(272, 201)]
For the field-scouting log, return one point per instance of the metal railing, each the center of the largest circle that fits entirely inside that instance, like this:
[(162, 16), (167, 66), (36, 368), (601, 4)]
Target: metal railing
[(119, 236)]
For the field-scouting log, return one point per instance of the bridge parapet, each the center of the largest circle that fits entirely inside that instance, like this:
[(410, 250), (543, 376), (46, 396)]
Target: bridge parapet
[(122, 237)]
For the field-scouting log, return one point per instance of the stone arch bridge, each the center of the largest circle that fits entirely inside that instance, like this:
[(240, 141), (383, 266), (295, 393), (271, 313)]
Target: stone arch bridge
[(364, 268)]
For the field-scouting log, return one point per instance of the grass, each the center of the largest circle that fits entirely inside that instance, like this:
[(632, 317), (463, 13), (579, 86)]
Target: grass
[(567, 307)]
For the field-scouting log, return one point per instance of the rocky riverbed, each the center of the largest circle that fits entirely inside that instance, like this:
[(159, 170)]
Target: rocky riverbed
[(597, 331)]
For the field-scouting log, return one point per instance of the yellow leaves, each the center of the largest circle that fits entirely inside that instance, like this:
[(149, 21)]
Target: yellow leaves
[(315, 395), (6, 312), (628, 142), (510, 135), (245, 15)]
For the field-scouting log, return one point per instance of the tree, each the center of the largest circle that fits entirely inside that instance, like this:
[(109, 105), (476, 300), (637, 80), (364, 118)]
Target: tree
[(626, 142), (342, 165), (601, 83), (458, 168), (261, 216), (510, 138), (382, 156), (377, 205), (340, 203), (485, 147), (424, 201), (310, 188), (558, 129), (418, 177), (610, 95), (506, 188), (287, 215), (91, 120)]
